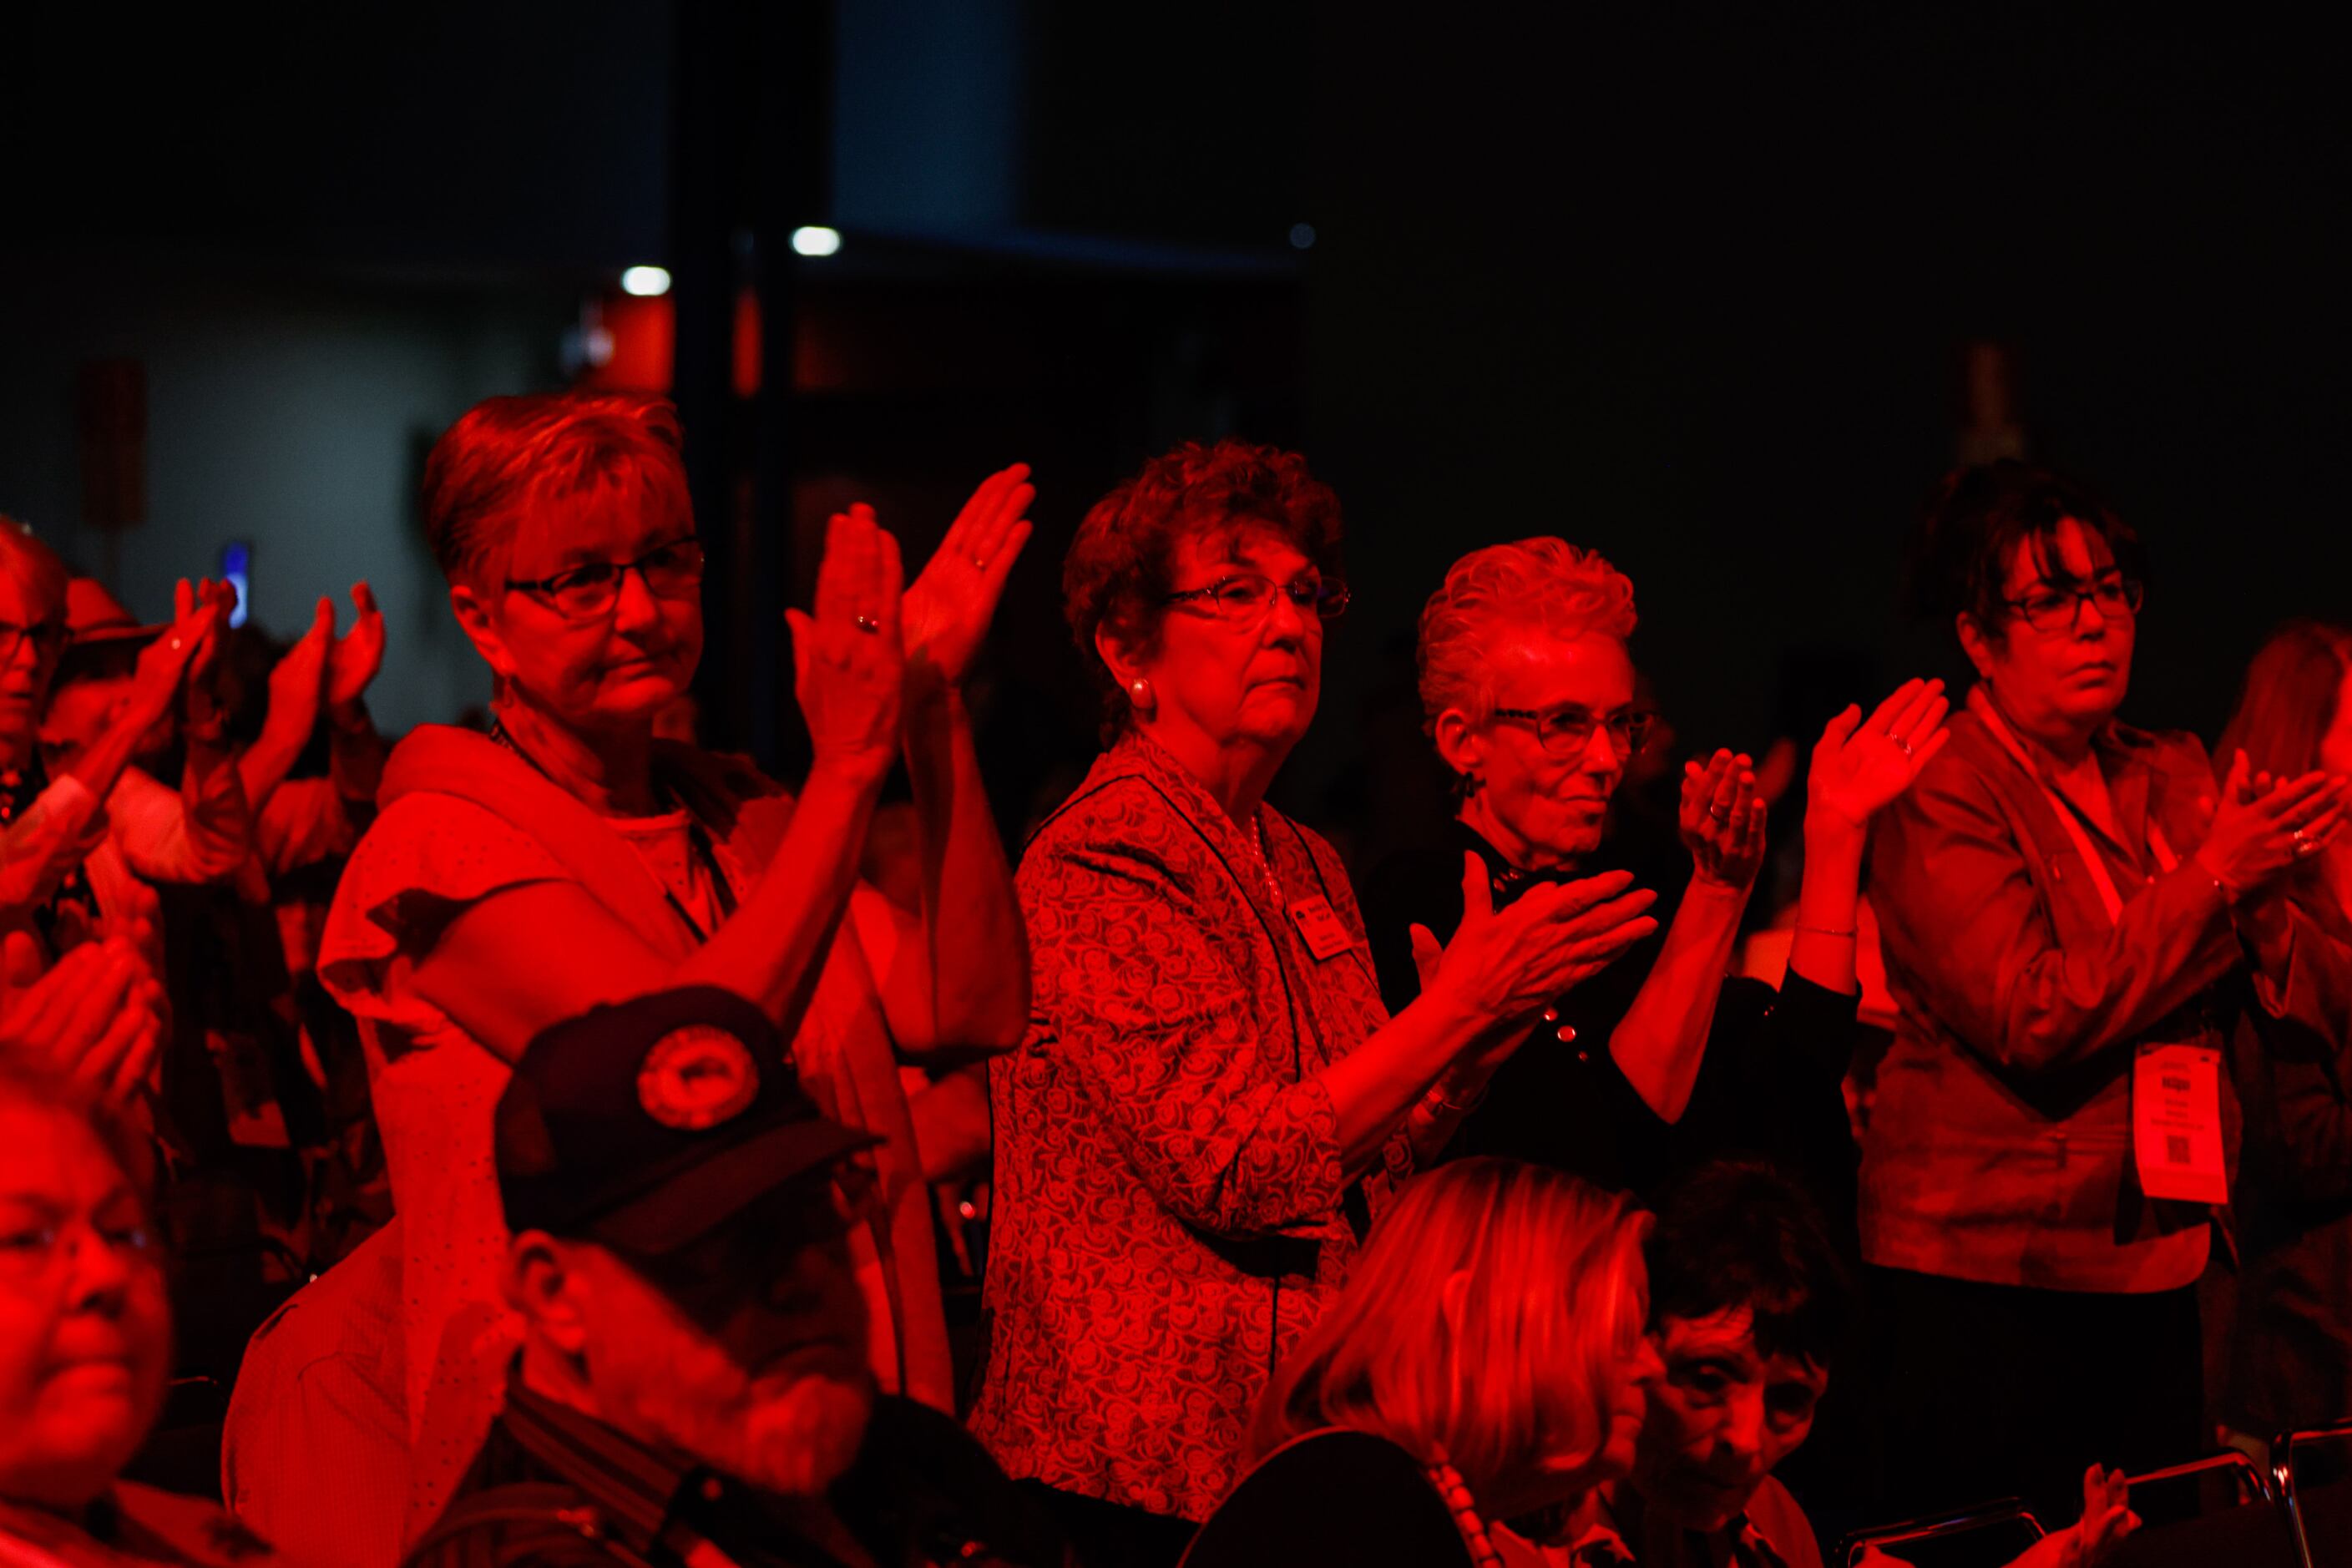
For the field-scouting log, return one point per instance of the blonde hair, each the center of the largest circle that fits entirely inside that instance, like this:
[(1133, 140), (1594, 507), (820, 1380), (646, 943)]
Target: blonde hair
[(1555, 1295), (1546, 584)]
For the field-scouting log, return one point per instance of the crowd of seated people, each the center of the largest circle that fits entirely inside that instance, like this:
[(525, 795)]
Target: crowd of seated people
[(560, 1076)]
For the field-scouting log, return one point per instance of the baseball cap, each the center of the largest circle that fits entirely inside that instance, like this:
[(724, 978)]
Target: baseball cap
[(647, 1123)]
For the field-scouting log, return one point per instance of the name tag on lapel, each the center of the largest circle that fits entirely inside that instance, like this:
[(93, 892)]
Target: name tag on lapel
[(1324, 932)]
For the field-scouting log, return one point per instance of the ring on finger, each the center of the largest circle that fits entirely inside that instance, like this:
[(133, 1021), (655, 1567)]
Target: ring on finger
[(1720, 814), (865, 623), (2302, 845)]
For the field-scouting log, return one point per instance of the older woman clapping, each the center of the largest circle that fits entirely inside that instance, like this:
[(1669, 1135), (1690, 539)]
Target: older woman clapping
[(1209, 1071), (1530, 694), (570, 858)]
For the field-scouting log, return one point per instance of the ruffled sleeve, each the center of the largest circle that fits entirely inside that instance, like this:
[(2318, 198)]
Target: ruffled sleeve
[(427, 860)]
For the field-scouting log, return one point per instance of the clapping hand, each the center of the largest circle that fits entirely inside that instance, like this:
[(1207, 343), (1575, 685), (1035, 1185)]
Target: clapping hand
[(298, 680), (948, 607), (1861, 764), (2262, 826), (848, 664), (357, 657), (1722, 821), (1509, 964), (184, 655), (98, 1016)]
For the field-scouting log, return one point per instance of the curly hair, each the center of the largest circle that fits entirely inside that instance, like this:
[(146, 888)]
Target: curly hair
[(1547, 584), (506, 456), (1739, 1233), (1120, 567)]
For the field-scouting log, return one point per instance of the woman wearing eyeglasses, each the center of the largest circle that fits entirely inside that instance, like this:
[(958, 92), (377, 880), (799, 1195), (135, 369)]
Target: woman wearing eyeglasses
[(1659, 1062), (570, 857), (2073, 914), (1210, 1084)]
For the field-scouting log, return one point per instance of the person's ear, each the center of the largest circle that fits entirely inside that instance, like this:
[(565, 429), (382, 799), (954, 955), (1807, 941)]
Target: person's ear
[(1462, 745), (472, 607), (544, 1287), (1122, 657), (1976, 642)]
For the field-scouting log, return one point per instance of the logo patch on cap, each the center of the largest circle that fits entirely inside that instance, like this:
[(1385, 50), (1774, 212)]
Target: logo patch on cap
[(697, 1078)]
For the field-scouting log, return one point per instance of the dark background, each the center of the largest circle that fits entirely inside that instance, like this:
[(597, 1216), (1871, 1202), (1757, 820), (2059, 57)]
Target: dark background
[(1699, 292)]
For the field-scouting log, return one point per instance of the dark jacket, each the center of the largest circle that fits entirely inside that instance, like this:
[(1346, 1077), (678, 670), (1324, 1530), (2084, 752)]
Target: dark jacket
[(553, 1489)]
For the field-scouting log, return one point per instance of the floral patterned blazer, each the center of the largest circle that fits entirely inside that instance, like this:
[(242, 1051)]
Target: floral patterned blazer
[(1170, 1215)]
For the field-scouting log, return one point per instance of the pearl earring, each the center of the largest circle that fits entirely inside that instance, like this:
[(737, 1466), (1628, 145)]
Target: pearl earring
[(1140, 688)]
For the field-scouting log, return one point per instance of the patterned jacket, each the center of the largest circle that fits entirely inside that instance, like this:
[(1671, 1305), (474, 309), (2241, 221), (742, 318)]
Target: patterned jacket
[(1170, 1213)]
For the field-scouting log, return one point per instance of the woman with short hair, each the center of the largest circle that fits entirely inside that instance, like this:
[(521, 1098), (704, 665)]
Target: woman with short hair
[(1183, 1138), (571, 857), (1529, 692), (2073, 914)]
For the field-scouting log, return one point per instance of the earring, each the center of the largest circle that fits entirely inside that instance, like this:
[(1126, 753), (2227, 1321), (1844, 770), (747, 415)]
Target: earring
[(1140, 690)]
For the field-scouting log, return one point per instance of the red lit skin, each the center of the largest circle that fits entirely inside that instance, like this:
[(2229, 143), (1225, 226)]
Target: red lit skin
[(2335, 746), (24, 680), (1723, 1417), (583, 701), (86, 1336), (776, 1393), (1543, 812), (1229, 702), (2058, 689)]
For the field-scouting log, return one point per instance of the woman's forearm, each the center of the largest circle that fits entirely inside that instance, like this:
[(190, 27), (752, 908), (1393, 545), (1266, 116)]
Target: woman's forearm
[(1829, 905), (1375, 1087), (1660, 1041), (971, 980), (774, 947)]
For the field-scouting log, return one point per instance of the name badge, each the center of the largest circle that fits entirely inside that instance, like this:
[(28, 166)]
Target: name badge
[(1325, 935), (2177, 1123)]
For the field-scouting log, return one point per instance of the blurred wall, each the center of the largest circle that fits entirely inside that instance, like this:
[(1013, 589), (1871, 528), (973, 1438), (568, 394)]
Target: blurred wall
[(286, 410)]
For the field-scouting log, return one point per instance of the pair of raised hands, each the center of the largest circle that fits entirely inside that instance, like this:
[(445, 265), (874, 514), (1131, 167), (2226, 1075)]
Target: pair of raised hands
[(2108, 1521), (1859, 764), (99, 1015), (323, 671), (869, 638), (182, 659), (1506, 965)]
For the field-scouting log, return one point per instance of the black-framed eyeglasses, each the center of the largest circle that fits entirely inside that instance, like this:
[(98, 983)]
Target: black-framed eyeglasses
[(2051, 609), (1567, 731), (47, 637), (1244, 598), (584, 592)]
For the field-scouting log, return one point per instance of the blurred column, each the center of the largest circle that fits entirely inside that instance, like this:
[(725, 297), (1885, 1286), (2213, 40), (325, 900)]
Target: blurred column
[(748, 155)]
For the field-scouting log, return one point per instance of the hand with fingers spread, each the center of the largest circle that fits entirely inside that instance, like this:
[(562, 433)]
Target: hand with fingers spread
[(356, 657), (1509, 963), (2108, 1521), (948, 609), (849, 663), (98, 1016), (2258, 833), (1860, 764), (1722, 820)]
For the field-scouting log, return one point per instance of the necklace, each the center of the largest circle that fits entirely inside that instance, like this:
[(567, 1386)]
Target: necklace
[(699, 851), (1264, 862), (1465, 1509)]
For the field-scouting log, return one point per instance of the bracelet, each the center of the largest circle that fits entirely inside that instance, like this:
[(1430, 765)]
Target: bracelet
[(1826, 930)]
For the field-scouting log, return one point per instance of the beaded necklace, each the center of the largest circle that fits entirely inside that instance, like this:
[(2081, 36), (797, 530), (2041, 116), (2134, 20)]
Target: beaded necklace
[(1264, 862), (1464, 1508)]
